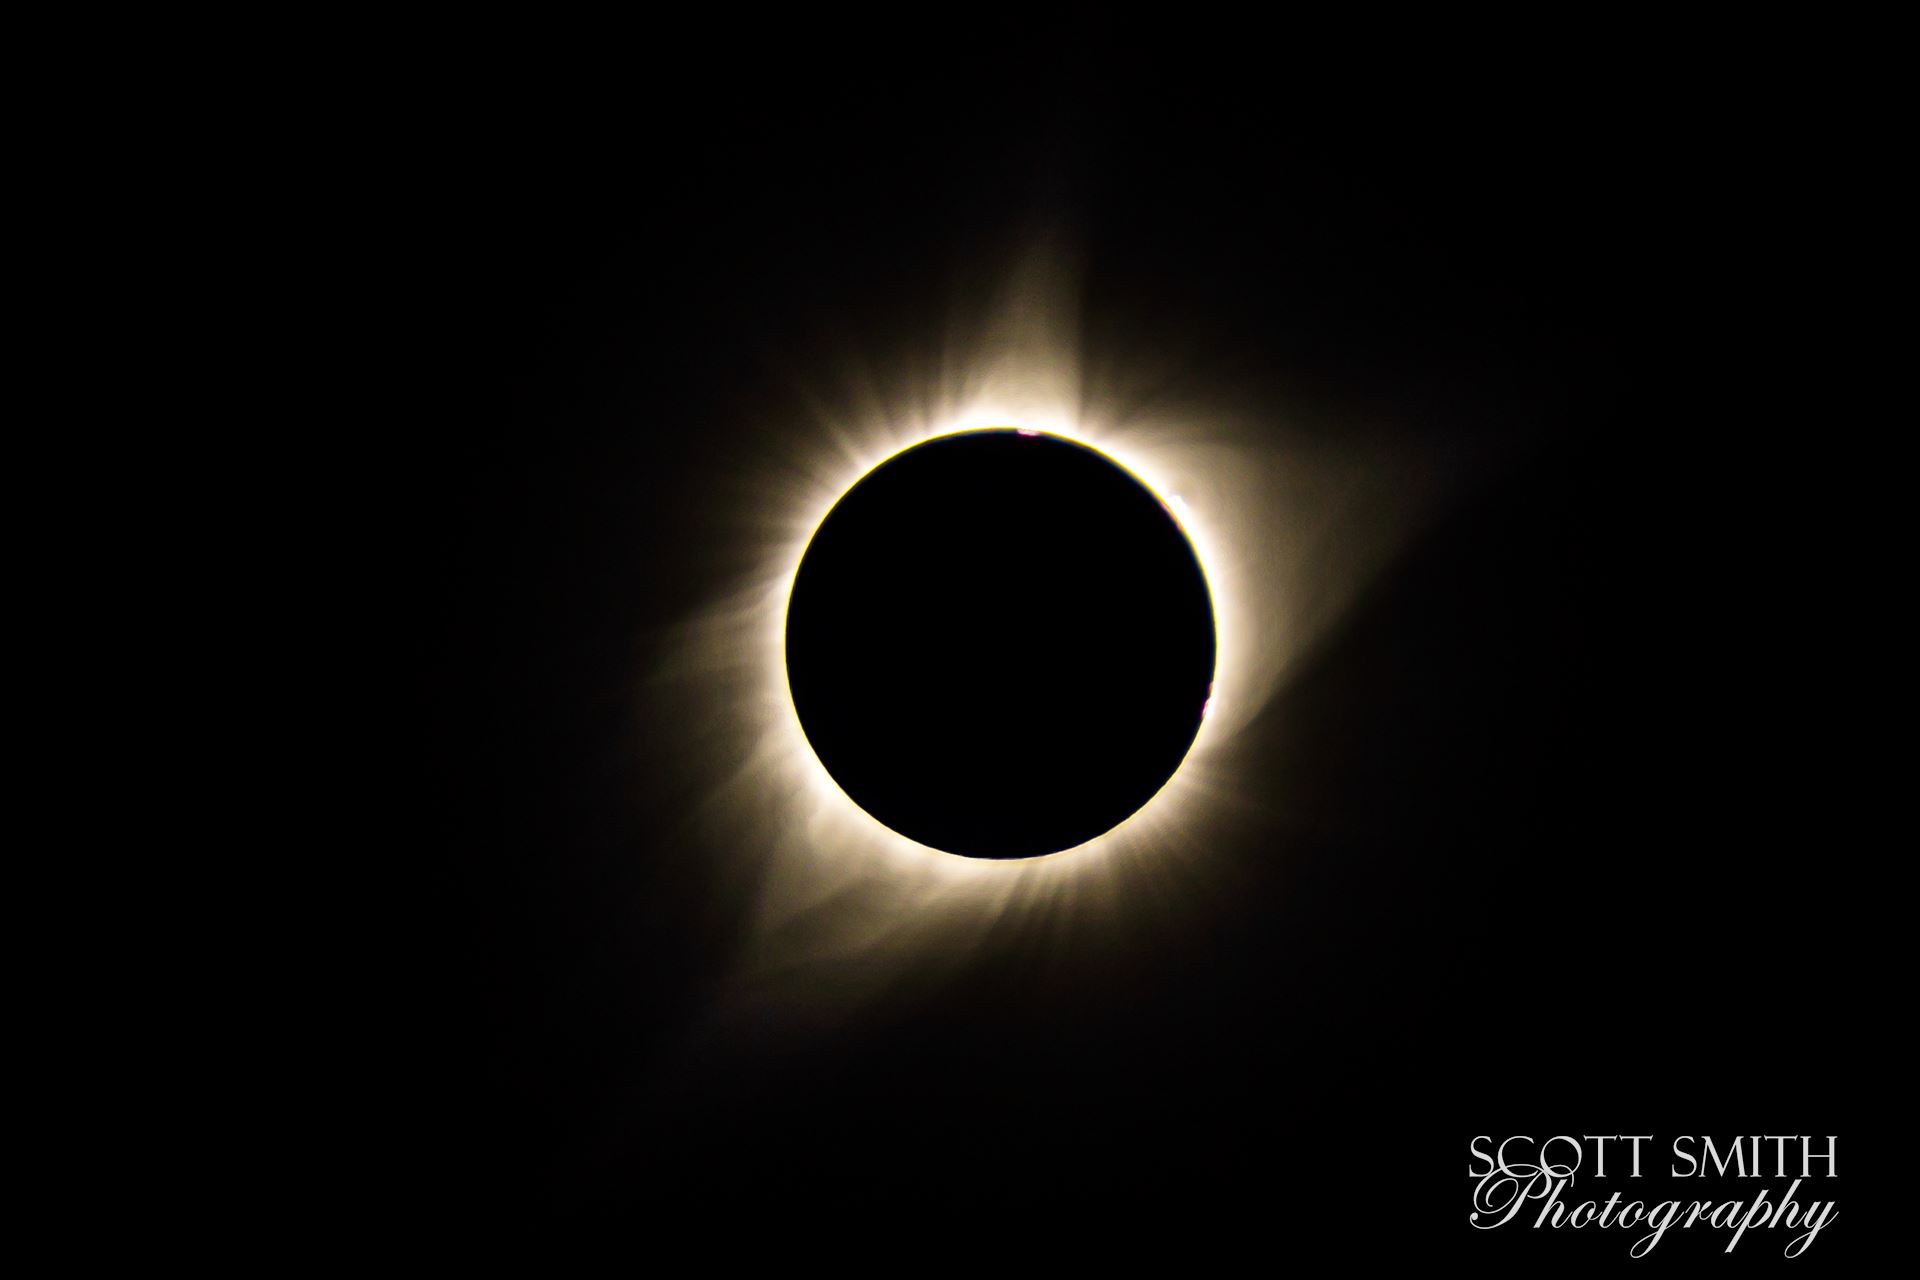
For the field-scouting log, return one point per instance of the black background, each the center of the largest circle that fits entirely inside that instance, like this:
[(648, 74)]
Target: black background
[(1559, 835)]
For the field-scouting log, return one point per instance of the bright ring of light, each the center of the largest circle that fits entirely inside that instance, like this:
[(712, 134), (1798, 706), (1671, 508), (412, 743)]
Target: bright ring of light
[(1156, 470), (1287, 524)]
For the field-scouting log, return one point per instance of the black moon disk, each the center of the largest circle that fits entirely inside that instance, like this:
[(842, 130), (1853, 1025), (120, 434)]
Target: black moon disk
[(1000, 644)]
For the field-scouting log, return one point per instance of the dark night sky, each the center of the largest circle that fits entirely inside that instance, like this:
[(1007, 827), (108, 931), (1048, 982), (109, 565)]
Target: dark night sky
[(1562, 842)]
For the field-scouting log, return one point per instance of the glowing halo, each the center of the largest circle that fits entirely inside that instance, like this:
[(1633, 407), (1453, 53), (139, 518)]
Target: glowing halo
[(818, 847), (1286, 522)]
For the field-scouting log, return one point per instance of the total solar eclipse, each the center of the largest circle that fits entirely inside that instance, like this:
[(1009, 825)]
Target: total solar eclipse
[(1000, 644)]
